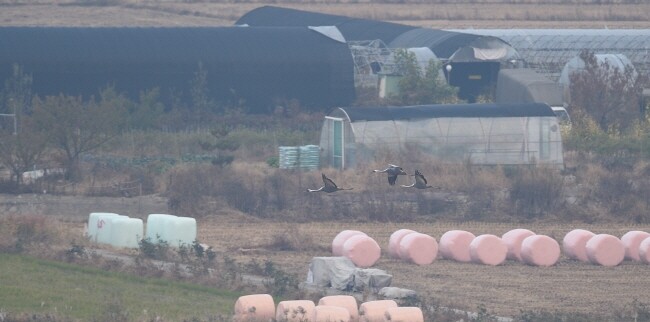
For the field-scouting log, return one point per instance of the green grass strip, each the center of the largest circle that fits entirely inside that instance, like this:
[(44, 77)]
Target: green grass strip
[(36, 286)]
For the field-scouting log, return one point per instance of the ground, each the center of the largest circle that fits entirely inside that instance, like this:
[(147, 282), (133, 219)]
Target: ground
[(505, 290)]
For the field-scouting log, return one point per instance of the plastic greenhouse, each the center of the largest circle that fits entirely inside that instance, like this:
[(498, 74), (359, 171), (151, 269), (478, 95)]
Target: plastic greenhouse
[(548, 50), (483, 134)]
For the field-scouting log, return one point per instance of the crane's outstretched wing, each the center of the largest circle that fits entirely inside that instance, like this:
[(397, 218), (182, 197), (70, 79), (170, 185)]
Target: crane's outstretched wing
[(420, 178), (329, 184)]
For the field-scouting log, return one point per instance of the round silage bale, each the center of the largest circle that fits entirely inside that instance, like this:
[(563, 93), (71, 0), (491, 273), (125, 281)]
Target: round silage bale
[(339, 240), (488, 249), (644, 251), (574, 244), (374, 311), (254, 308), (325, 313), (404, 314), (418, 248), (362, 250), (393, 242), (631, 240), (540, 250), (454, 244), (605, 250), (345, 301), (513, 240), (298, 310)]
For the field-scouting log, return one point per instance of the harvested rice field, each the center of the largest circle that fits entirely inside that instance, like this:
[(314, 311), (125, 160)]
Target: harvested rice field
[(505, 290)]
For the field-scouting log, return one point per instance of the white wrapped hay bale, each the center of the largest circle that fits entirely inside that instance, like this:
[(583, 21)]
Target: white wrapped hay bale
[(362, 250), (254, 308), (155, 228), (341, 238), (347, 302), (180, 231), (488, 250), (574, 244), (454, 245), (403, 314), (94, 223), (631, 240), (540, 250), (418, 248), (374, 311), (104, 232), (393, 242), (298, 310), (126, 232), (513, 240), (325, 313), (644, 251), (605, 250)]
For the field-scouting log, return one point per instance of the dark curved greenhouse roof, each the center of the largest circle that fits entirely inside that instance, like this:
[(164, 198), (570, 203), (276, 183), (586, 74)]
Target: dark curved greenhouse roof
[(257, 65), (353, 29), (451, 110), (444, 43)]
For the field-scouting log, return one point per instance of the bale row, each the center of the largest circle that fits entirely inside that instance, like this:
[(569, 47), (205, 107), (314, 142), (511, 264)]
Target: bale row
[(518, 244), (605, 249), (344, 308)]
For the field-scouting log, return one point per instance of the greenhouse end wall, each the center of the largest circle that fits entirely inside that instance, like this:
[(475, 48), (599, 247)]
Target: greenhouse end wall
[(479, 140)]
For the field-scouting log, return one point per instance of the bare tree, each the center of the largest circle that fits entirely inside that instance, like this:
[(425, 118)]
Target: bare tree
[(76, 127), (20, 151), (607, 94)]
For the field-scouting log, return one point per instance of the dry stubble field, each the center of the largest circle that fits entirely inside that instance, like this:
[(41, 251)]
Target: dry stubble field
[(504, 290)]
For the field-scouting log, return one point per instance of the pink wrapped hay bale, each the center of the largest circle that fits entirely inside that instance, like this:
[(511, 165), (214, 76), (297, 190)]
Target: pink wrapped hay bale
[(374, 311), (403, 314), (605, 250), (362, 250), (631, 240), (393, 242), (513, 240), (345, 301), (488, 250), (454, 244), (255, 307), (298, 310), (574, 244), (644, 251), (540, 250), (417, 248), (326, 313), (339, 240)]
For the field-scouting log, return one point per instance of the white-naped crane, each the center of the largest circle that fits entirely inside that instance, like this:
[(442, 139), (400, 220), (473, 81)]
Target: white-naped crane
[(328, 186), (392, 171), (420, 181)]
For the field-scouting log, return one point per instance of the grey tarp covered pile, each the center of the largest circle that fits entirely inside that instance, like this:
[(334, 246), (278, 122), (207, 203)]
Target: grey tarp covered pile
[(341, 274)]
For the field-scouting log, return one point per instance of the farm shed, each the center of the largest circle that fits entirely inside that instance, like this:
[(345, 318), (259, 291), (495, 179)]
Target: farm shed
[(481, 133), (255, 65), (475, 59)]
